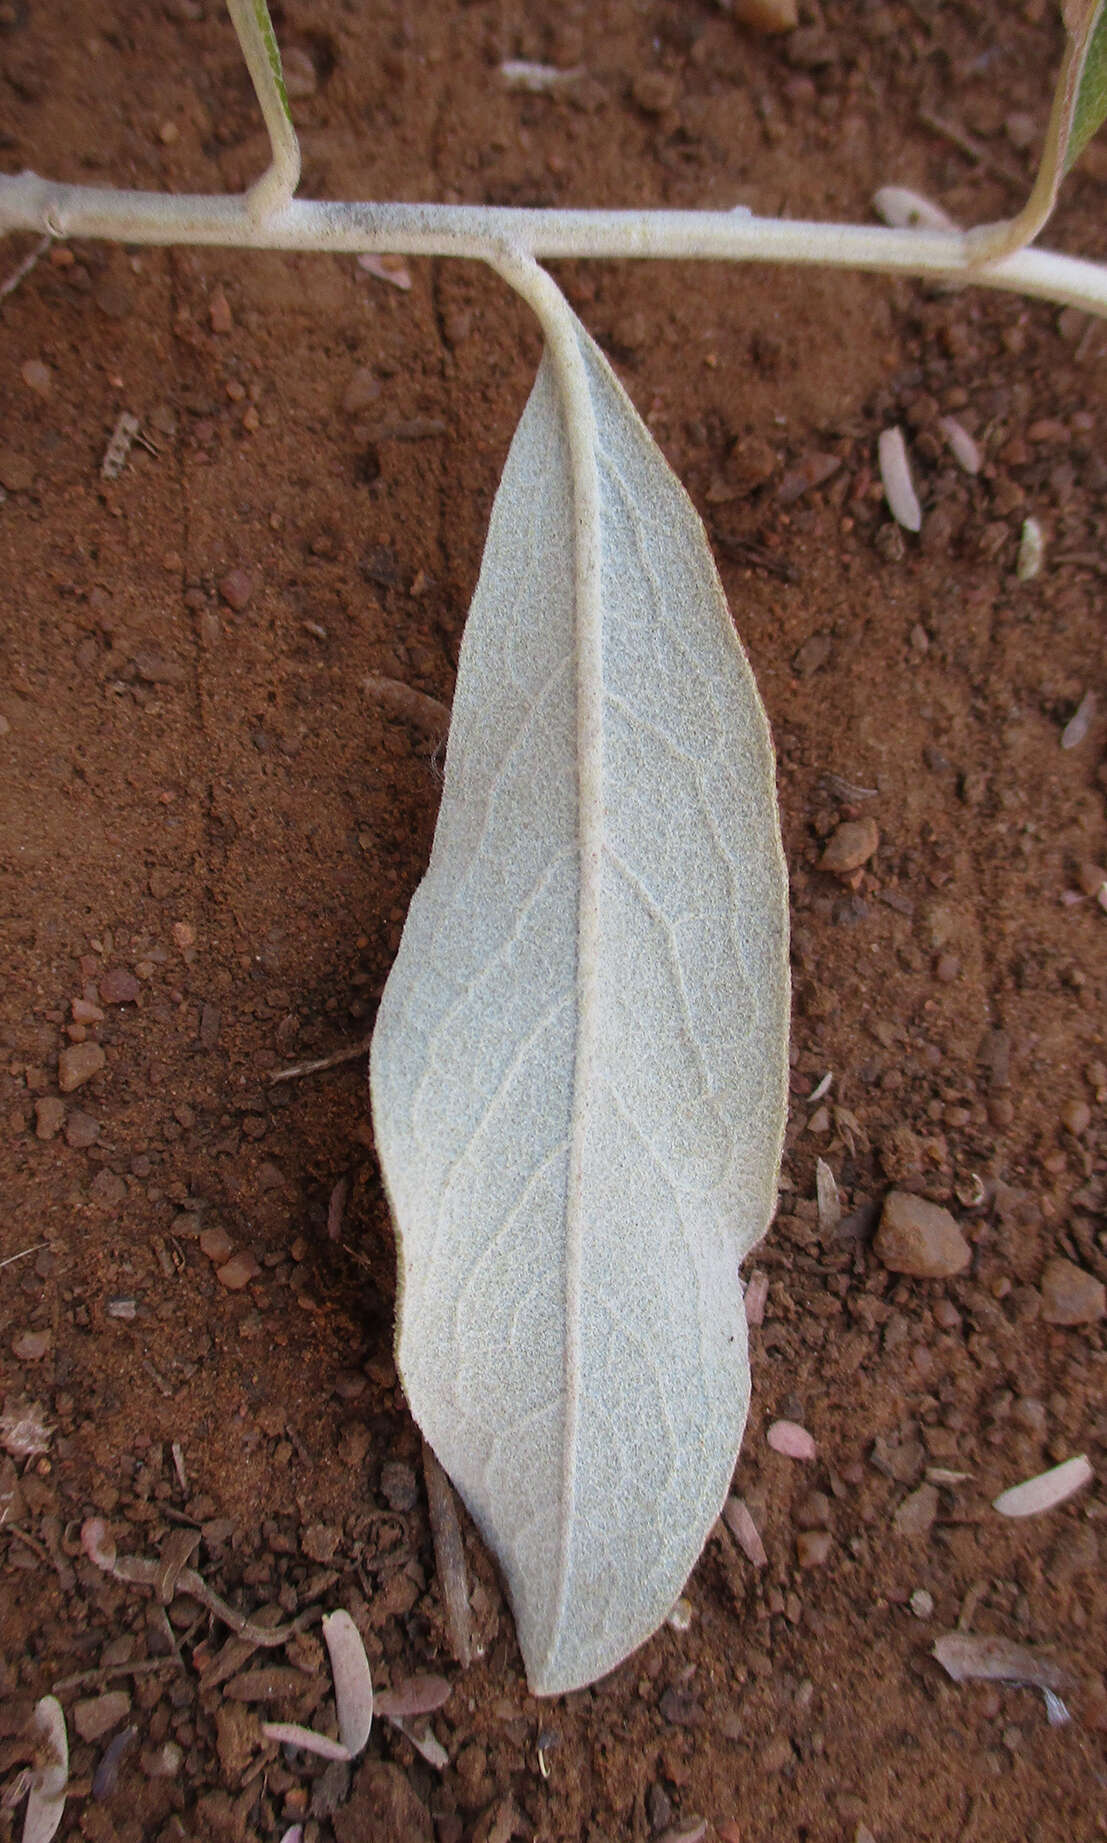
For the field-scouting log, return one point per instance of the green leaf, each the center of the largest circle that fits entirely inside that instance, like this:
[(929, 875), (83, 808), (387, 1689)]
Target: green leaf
[(1091, 95)]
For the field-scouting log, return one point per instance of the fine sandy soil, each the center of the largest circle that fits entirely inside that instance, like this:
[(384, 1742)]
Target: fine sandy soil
[(212, 821)]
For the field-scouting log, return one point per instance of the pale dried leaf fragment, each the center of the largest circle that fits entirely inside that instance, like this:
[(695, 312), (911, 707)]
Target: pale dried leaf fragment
[(537, 79), (789, 1438), (966, 451), (968, 1655), (291, 1734), (1031, 550), (414, 1696), (1080, 722), (907, 210), (757, 1298), (585, 1029), (24, 1429), (387, 268), (119, 447), (46, 1798), (826, 1193), (424, 1742), (353, 1697), (392, 694), (353, 1682), (1045, 1490), (895, 476), (740, 1523)]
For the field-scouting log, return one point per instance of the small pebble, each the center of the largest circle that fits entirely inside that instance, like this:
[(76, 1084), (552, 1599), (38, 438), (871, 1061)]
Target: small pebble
[(399, 1487), (921, 1603), (813, 1547), (79, 1063), (114, 300), (813, 1511), (917, 1512), (216, 1244), (851, 845), (219, 312), (49, 1116), (37, 377), (1071, 1295), (766, 15), (95, 1716), (31, 1346), (236, 589), (119, 986), (362, 390), (238, 1272), (81, 1130), (1077, 1117), (16, 472), (920, 1238)]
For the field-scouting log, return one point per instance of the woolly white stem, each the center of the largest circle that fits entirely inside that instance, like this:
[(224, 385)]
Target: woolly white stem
[(272, 192), (30, 203)]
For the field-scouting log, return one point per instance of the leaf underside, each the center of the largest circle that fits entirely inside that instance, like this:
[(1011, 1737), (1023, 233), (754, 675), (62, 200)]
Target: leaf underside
[(570, 1224), (1091, 97)]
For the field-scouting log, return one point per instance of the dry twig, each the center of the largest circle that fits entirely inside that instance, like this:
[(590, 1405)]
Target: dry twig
[(449, 1554)]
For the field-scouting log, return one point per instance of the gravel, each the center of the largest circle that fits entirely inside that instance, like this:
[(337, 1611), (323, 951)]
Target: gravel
[(849, 847), (1070, 1295), (79, 1063), (920, 1238)]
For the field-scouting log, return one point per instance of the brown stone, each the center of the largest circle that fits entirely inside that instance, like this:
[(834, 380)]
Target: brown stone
[(1071, 1295), (384, 1806), (917, 1512), (79, 1063), (849, 846), (767, 15), (49, 1116), (16, 472), (813, 1547), (238, 1272), (119, 986), (920, 1238), (236, 589)]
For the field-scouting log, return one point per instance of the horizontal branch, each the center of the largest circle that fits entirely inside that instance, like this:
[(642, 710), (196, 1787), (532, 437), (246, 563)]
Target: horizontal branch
[(28, 202)]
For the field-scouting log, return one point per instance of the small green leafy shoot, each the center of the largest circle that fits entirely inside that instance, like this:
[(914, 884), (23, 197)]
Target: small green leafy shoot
[(1079, 108)]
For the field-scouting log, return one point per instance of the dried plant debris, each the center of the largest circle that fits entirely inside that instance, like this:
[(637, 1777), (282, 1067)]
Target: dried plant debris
[(24, 1430), (123, 436), (740, 1523), (895, 475), (50, 1777), (907, 210), (1079, 723), (793, 1441), (1045, 1490), (168, 1576), (826, 1193), (353, 1697), (966, 451), (1031, 550), (420, 1695), (968, 1657), (449, 1555)]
